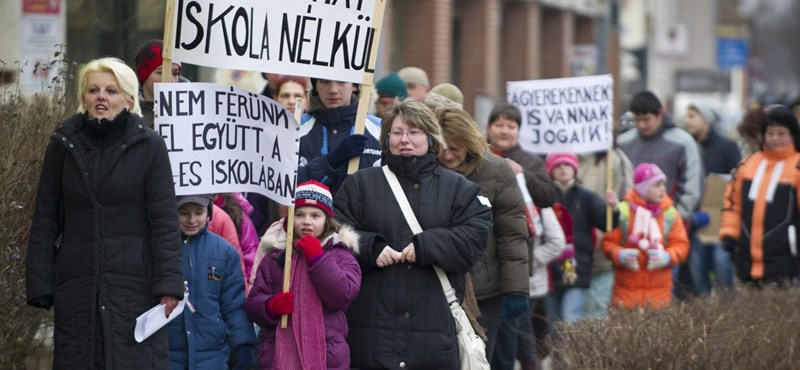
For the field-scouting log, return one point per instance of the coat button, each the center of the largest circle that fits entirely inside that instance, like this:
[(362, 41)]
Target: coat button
[(103, 308), (188, 332), (140, 126), (124, 146), (71, 145), (63, 139), (335, 132), (402, 364), (416, 186), (409, 267), (406, 315)]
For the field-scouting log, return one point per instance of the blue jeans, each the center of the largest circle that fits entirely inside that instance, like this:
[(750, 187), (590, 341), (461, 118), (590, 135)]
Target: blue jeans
[(706, 259), (598, 297), (570, 302)]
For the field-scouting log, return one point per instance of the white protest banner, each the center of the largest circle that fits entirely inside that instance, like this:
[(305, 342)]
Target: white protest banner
[(224, 139), (325, 39), (561, 115)]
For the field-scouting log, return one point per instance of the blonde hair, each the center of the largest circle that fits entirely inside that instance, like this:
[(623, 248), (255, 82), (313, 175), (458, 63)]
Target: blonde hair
[(461, 131), (417, 115), (126, 79)]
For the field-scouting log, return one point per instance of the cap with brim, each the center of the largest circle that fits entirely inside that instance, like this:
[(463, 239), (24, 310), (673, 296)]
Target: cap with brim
[(199, 199)]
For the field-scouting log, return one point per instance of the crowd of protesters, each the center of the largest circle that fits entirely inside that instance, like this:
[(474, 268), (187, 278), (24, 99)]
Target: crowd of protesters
[(523, 238)]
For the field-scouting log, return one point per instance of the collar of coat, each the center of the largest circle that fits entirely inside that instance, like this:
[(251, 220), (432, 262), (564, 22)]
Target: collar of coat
[(411, 167), (72, 126), (275, 239)]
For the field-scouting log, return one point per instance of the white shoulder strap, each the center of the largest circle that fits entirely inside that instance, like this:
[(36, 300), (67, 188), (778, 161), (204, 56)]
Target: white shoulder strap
[(411, 219)]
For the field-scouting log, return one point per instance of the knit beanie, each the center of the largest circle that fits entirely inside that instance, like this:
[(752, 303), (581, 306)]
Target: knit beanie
[(148, 58), (449, 91), (706, 111), (414, 75), (645, 175), (314, 194), (392, 86), (553, 160)]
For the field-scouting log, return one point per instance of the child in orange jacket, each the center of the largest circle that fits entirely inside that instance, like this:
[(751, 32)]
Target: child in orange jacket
[(650, 240)]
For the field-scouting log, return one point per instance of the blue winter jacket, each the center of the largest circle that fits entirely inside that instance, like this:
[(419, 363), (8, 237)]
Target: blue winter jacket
[(203, 339)]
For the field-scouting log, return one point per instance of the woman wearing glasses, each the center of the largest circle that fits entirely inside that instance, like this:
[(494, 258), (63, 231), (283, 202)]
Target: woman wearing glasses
[(401, 317)]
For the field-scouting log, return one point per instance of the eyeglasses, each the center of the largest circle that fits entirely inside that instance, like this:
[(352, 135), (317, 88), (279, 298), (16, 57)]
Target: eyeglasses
[(413, 134)]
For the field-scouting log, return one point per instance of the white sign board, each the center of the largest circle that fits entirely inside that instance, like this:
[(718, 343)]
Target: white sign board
[(224, 139), (324, 39), (564, 114)]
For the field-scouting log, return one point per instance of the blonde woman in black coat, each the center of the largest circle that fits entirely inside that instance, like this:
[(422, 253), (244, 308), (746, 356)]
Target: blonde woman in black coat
[(104, 244)]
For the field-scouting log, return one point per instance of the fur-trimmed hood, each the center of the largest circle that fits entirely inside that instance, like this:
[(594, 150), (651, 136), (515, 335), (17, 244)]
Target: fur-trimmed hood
[(274, 240)]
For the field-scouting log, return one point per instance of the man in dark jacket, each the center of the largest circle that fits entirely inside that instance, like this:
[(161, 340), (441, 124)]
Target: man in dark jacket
[(327, 142), (720, 156)]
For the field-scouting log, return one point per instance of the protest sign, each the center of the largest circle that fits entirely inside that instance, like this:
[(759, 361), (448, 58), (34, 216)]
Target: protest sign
[(327, 39), (562, 115), (225, 139)]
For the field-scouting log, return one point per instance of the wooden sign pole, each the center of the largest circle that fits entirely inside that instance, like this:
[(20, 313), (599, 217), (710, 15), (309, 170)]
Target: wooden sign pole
[(367, 81), (166, 50), (287, 265)]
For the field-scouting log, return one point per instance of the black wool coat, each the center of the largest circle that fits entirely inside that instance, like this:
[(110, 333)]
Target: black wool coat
[(104, 243)]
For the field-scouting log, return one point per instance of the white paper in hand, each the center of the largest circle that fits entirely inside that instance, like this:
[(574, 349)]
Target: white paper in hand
[(155, 318)]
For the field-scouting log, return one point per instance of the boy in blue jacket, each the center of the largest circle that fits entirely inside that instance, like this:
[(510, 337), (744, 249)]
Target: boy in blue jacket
[(214, 320)]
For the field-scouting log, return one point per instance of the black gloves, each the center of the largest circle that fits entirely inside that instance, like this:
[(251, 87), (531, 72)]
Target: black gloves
[(352, 146), (729, 244)]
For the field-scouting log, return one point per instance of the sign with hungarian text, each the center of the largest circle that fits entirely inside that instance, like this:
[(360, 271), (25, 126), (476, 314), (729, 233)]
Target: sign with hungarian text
[(224, 139), (328, 39), (564, 115)]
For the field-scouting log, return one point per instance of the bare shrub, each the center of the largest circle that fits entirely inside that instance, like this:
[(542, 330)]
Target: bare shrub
[(747, 329), (25, 127)]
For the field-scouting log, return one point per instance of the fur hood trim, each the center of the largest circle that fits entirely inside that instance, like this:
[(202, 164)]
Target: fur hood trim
[(275, 239)]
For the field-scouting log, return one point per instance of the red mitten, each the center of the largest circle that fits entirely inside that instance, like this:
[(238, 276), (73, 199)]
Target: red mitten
[(310, 246), (281, 304)]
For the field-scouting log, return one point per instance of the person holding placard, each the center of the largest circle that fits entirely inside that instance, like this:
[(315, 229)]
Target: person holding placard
[(503, 134), (327, 142), (720, 156), (214, 320), (325, 280), (401, 318), (148, 70), (104, 243)]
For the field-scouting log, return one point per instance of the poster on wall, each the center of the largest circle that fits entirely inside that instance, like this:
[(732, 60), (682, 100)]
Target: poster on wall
[(42, 35)]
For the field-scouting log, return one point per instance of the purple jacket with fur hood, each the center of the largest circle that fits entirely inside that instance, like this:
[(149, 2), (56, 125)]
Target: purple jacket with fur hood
[(336, 277)]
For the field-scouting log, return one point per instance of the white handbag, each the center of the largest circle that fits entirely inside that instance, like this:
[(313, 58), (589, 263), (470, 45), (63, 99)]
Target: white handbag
[(471, 348)]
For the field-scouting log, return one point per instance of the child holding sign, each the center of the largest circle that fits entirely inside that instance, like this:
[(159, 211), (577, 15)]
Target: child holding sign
[(325, 278), (650, 240), (588, 211), (214, 319)]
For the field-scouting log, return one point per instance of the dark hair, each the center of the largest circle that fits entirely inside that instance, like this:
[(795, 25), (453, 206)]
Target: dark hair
[(507, 111), (779, 115), (753, 122), (644, 102)]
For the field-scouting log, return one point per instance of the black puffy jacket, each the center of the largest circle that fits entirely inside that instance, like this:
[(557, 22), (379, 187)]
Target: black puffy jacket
[(104, 243), (401, 318)]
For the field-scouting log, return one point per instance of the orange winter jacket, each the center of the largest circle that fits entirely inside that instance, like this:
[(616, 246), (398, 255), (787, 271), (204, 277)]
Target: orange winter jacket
[(644, 287), (760, 212)]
